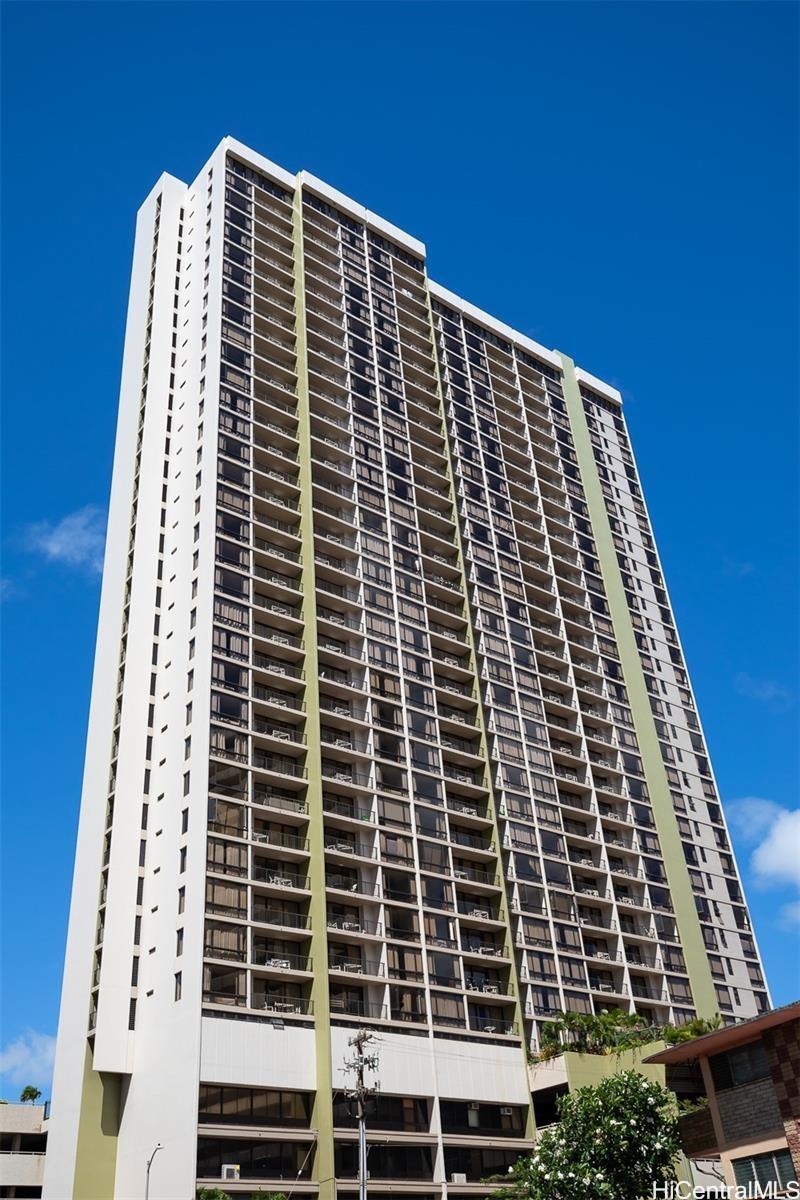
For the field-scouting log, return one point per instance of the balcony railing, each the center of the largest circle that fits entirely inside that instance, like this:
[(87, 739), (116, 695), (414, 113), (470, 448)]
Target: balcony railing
[(278, 960), (355, 925)]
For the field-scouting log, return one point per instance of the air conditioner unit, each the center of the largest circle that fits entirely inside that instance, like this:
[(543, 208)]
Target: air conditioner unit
[(506, 1110), (458, 1177), (230, 1170)]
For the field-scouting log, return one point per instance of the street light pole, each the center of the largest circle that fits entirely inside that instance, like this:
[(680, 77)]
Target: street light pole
[(149, 1165)]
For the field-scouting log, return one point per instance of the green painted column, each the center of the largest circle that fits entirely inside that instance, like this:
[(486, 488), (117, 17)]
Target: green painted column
[(509, 947), (688, 923), (322, 1117), (98, 1129)]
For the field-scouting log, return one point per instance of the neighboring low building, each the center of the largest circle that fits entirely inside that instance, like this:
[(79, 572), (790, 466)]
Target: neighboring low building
[(23, 1141), (750, 1075), (571, 1069)]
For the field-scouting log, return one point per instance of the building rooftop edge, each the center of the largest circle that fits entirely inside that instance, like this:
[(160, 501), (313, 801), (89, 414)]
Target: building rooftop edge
[(492, 323), (521, 339), (279, 174), (361, 213), (729, 1036), (599, 385)]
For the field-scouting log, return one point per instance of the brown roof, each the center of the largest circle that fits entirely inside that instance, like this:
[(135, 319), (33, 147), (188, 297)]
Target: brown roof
[(728, 1037)]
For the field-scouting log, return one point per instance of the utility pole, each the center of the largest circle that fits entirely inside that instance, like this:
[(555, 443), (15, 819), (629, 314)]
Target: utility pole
[(360, 1093)]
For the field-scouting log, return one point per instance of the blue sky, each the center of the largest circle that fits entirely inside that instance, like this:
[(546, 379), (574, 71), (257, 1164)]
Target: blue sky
[(617, 180)]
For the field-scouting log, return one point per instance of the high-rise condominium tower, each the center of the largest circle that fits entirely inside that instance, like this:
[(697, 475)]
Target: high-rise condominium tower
[(390, 723)]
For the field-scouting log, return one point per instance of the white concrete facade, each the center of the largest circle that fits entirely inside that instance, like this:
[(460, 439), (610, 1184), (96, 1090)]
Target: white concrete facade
[(136, 996)]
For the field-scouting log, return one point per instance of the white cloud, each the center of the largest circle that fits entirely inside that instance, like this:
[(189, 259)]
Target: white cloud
[(790, 916), (29, 1059), (752, 816), (76, 539), (774, 834), (776, 859), (739, 570), (765, 691)]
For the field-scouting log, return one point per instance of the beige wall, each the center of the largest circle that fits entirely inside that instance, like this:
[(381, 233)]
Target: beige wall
[(21, 1118)]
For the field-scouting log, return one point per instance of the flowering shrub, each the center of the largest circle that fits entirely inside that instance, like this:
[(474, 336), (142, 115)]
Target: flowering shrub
[(613, 1142)]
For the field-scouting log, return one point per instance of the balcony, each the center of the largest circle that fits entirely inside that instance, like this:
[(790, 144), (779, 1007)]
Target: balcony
[(477, 912), (341, 844), (276, 731), (349, 964), (355, 925), (346, 809), (281, 667), (276, 764), (278, 799), (285, 919), (487, 985), (468, 779), (481, 846), (350, 1006), (278, 876), (283, 1005), (281, 961), (340, 772), (493, 1024), (476, 948), (275, 698), (281, 840), (464, 872), (353, 884)]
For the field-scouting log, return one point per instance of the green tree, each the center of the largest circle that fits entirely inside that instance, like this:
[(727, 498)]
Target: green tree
[(612, 1030), (595, 1033), (29, 1094), (214, 1193), (675, 1034), (613, 1142)]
